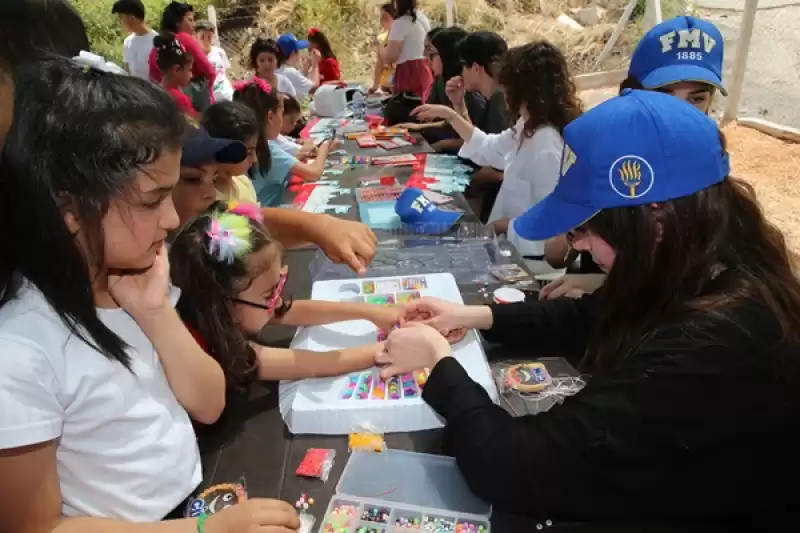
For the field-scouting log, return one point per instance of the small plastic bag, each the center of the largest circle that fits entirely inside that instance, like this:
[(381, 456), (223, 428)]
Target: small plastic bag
[(217, 498), (366, 442), (317, 463)]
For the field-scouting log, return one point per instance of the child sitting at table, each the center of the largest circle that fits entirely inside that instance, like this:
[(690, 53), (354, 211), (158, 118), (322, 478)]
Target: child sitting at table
[(292, 122), (229, 271), (176, 67), (270, 174)]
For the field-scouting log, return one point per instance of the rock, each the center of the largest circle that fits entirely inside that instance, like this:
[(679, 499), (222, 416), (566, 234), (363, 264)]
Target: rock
[(567, 21), (589, 16)]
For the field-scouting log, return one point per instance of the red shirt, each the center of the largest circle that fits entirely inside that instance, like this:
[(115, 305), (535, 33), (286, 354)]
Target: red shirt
[(329, 70), (183, 101), (201, 66)]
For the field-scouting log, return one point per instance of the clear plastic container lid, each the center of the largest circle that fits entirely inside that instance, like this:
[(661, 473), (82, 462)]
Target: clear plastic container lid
[(418, 479)]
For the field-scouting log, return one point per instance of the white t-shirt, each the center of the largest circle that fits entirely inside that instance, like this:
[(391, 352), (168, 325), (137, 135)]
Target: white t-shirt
[(287, 144), (135, 52), (126, 448), (531, 170), (424, 21), (413, 36), (302, 85), (284, 85), (223, 90)]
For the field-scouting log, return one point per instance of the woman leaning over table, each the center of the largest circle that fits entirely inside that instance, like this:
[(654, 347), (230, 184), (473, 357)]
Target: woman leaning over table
[(540, 92), (691, 348)]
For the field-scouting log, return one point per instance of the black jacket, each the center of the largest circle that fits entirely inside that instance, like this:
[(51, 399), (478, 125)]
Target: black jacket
[(701, 422)]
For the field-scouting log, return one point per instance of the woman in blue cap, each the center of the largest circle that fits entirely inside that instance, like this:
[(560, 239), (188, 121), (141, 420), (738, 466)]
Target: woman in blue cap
[(682, 57), (692, 347)]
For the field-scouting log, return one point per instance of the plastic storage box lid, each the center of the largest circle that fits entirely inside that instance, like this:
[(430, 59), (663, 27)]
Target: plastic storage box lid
[(411, 478)]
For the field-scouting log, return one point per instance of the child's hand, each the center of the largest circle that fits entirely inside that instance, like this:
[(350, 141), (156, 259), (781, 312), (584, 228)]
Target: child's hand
[(143, 293), (412, 348), (387, 317)]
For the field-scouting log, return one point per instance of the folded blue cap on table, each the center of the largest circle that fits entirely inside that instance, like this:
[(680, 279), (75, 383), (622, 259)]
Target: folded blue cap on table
[(421, 215), (638, 148), (681, 49)]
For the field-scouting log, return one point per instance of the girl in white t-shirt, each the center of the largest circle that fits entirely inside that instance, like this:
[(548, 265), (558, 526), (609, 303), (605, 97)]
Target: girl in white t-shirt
[(406, 50), (98, 375), (538, 90)]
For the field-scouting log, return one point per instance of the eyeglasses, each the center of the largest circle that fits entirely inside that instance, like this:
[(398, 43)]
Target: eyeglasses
[(272, 303)]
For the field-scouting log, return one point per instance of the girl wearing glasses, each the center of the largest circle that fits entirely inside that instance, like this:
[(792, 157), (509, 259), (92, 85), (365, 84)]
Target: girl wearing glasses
[(229, 271)]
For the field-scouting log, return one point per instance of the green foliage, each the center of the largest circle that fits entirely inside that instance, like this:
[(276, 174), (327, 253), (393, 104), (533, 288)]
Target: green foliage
[(105, 32)]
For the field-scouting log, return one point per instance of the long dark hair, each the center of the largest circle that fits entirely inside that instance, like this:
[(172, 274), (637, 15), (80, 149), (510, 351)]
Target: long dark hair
[(230, 120), (173, 15), (169, 52), (389, 9), (319, 39), (31, 28), (536, 76), (261, 45), (700, 254), (92, 132), (445, 41), (262, 103), (406, 7), (207, 286)]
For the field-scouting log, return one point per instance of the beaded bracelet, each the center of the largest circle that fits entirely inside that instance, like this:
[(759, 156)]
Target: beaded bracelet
[(201, 523)]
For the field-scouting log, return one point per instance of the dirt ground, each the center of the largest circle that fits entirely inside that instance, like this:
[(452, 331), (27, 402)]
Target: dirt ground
[(772, 166)]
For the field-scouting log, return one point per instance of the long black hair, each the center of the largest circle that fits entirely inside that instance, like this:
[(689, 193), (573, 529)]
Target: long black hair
[(207, 285), (230, 120), (30, 28), (78, 138), (445, 40), (173, 15), (169, 52), (262, 102), (662, 270), (322, 43), (406, 7)]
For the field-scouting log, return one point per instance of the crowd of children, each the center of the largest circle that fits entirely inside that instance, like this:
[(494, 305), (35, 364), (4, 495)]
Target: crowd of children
[(168, 253)]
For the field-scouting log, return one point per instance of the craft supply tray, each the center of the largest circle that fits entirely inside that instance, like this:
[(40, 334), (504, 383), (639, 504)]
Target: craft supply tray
[(413, 492)]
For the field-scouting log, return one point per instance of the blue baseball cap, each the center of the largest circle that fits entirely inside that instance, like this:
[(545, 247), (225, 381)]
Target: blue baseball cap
[(421, 215), (289, 44), (679, 50), (638, 148), (199, 147)]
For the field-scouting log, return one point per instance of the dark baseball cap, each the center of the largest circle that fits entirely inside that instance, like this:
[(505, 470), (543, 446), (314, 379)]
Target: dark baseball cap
[(199, 147)]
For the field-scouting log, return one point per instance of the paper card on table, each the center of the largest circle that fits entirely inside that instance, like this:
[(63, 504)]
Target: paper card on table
[(406, 297), (437, 198), (368, 287), (387, 286), (414, 284), (381, 299)]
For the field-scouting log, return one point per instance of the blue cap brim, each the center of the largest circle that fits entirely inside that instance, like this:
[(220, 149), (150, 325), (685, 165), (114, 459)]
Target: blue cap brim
[(440, 223), (668, 75), (302, 45), (199, 151), (551, 217)]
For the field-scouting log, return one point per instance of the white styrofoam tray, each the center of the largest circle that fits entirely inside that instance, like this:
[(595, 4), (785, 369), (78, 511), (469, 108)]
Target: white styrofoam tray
[(314, 406)]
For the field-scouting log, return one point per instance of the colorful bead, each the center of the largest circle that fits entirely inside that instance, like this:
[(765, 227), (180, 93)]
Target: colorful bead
[(375, 514), (438, 525), (469, 527)]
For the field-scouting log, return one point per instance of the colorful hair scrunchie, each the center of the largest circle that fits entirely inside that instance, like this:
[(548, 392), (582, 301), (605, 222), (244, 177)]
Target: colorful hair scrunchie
[(229, 237), (313, 31), (245, 209)]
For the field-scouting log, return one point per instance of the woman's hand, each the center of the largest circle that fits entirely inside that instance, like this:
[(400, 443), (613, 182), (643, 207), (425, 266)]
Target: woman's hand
[(411, 348), (448, 317), (430, 112), (410, 126), (455, 90), (386, 317), (315, 56), (143, 294), (572, 286), (255, 515), (309, 149)]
